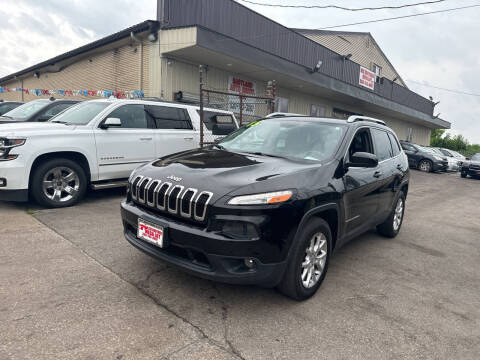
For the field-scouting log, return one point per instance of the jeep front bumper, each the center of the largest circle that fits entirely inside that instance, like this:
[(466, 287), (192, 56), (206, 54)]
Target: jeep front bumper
[(201, 253)]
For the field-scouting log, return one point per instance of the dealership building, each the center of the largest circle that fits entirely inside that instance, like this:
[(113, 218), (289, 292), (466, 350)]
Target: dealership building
[(315, 72)]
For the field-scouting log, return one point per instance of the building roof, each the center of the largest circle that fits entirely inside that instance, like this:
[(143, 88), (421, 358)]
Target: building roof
[(141, 27), (350, 33)]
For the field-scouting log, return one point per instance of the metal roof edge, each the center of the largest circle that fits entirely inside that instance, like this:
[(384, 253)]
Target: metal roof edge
[(143, 26)]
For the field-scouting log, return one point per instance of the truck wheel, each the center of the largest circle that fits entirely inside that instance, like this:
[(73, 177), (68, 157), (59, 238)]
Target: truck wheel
[(308, 261), (425, 165), (58, 183), (391, 226)]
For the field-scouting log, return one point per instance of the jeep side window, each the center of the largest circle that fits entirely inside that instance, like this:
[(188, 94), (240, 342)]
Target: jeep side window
[(361, 142), (383, 148), (131, 116), (168, 117)]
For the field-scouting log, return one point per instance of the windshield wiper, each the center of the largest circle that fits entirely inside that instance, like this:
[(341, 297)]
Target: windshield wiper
[(263, 154), (58, 122), (218, 146)]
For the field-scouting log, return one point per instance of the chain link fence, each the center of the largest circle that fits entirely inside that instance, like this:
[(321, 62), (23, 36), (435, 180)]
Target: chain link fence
[(246, 109)]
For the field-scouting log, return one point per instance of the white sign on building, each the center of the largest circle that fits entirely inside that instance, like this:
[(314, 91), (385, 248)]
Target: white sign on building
[(240, 86), (367, 78)]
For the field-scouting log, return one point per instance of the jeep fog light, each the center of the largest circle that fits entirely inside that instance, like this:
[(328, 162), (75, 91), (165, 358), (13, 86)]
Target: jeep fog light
[(249, 263), (239, 230)]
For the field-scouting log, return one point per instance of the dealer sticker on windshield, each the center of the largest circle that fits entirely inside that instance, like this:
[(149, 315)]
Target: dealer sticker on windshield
[(150, 233)]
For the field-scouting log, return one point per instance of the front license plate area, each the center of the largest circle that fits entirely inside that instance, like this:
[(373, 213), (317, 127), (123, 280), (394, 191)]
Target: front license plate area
[(152, 233)]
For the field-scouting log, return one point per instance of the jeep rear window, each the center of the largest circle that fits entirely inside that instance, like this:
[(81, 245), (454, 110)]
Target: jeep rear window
[(303, 140)]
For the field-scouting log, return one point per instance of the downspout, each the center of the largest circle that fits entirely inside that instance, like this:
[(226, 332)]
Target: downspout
[(140, 76)]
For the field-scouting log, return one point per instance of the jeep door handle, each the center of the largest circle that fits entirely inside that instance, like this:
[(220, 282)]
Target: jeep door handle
[(377, 174), (188, 138), (146, 139)]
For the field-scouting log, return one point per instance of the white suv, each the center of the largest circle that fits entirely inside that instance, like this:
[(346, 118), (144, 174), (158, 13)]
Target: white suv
[(97, 143)]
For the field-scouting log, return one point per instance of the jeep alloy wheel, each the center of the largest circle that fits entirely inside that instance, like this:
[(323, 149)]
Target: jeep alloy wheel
[(314, 261)]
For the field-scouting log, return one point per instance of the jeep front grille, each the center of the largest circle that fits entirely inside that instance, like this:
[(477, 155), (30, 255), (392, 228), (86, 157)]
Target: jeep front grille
[(188, 203)]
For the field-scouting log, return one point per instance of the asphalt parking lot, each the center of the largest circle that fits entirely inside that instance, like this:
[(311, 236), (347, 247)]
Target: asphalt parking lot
[(71, 287)]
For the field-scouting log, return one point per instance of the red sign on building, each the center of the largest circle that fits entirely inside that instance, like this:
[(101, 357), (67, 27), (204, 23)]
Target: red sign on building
[(367, 78)]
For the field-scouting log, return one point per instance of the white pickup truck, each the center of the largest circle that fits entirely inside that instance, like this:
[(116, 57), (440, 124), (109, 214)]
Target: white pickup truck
[(97, 143)]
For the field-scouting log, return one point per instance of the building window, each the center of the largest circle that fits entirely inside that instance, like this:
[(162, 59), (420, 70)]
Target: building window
[(378, 72), (317, 111), (281, 104)]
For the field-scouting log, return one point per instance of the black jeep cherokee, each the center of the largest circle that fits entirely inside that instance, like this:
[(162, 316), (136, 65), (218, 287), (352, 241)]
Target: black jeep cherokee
[(271, 202)]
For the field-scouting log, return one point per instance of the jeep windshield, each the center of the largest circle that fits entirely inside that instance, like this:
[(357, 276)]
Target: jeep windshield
[(24, 111), (80, 114), (295, 139)]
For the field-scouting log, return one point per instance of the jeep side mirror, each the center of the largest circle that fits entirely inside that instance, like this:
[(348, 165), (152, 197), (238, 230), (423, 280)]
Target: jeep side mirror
[(111, 122), (363, 159)]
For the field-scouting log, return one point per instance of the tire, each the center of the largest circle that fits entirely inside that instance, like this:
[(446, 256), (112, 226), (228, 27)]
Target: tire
[(463, 175), (425, 166), (293, 284), (391, 227), (52, 178)]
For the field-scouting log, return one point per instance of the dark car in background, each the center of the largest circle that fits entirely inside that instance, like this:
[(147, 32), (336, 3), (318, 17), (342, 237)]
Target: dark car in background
[(6, 106), (471, 167), (40, 110), (423, 158)]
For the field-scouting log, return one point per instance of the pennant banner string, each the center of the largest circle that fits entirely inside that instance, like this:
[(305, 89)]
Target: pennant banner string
[(132, 94)]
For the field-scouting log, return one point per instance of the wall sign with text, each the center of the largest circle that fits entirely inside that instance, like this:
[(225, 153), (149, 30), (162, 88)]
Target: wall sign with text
[(240, 86), (367, 78)]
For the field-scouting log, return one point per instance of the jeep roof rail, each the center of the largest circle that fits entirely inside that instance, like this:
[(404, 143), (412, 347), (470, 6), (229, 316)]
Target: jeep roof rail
[(354, 118)]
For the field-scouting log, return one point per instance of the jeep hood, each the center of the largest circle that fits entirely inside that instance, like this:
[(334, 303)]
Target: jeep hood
[(222, 172), (31, 128)]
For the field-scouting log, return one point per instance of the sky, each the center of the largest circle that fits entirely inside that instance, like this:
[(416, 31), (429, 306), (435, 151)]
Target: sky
[(440, 50)]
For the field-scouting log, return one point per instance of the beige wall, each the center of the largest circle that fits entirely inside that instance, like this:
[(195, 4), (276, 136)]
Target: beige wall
[(363, 48), (179, 75), (105, 69)]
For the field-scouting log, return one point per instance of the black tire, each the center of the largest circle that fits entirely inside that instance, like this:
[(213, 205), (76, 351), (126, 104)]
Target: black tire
[(37, 180), (291, 285), (425, 166), (388, 227), (463, 175)]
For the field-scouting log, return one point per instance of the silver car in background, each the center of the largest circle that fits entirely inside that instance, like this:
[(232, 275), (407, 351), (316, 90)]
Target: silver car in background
[(454, 164)]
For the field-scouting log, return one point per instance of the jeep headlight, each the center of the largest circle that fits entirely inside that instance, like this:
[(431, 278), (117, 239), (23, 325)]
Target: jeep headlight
[(6, 145), (276, 197)]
